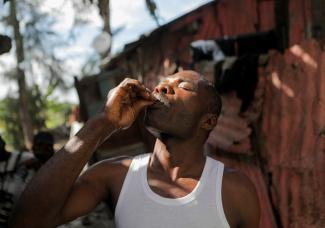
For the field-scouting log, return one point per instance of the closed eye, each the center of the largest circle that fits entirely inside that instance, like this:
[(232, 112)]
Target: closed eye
[(186, 86)]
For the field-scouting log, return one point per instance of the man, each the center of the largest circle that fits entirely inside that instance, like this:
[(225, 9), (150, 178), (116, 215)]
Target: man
[(17, 169), (43, 150), (175, 186), (9, 164)]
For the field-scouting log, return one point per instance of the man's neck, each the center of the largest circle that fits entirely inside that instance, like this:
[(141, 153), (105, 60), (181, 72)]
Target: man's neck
[(177, 158)]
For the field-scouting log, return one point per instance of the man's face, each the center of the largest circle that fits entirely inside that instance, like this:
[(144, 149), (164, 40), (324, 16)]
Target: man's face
[(181, 108), (43, 150)]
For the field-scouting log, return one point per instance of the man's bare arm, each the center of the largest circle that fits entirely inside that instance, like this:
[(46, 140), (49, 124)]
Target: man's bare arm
[(45, 196), (43, 203), (250, 207), (241, 201)]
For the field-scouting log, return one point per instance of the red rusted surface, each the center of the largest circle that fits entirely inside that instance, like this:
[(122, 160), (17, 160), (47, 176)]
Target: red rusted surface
[(234, 128), (291, 137), (145, 58), (293, 124), (299, 20), (231, 143), (237, 17), (266, 19)]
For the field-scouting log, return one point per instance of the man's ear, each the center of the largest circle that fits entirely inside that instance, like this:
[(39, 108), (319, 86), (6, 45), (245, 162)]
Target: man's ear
[(209, 121)]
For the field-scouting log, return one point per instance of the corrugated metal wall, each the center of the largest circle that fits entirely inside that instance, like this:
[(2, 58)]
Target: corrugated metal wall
[(293, 134), (283, 153), (154, 54)]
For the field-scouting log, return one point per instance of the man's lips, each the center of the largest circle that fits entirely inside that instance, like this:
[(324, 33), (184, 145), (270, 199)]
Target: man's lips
[(161, 100)]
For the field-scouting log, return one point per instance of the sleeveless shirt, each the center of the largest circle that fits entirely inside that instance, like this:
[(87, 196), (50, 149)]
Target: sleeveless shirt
[(140, 207)]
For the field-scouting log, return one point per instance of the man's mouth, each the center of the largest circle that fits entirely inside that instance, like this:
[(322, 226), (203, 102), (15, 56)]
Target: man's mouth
[(161, 98)]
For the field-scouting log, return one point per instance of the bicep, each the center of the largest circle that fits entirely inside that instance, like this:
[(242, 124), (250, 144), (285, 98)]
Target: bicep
[(250, 208), (85, 195), (241, 199)]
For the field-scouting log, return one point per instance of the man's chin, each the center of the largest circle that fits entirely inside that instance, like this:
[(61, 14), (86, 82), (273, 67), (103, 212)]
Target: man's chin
[(152, 123), (150, 118), (156, 119)]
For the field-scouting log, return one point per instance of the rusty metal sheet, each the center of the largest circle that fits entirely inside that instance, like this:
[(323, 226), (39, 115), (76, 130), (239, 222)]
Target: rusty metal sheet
[(293, 122), (172, 41), (253, 172), (300, 21)]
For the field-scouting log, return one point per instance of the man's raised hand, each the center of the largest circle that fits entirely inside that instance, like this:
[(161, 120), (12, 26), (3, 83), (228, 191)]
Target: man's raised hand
[(125, 101)]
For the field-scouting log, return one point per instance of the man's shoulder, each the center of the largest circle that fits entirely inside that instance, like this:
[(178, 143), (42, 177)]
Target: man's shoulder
[(18, 158), (27, 160), (115, 163), (110, 168), (238, 185), (26, 157), (107, 175), (235, 180), (239, 192), (121, 163)]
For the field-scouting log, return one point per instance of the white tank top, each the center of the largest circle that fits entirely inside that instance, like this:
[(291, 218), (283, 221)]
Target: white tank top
[(139, 207)]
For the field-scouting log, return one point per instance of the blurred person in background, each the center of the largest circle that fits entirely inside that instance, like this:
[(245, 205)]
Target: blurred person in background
[(18, 168), (42, 149), (9, 165)]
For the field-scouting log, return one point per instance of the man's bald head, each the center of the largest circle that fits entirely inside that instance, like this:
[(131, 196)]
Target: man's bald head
[(208, 92)]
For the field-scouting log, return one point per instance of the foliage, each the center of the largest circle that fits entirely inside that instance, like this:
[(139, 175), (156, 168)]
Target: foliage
[(47, 112), (39, 62), (9, 122), (40, 43), (57, 113)]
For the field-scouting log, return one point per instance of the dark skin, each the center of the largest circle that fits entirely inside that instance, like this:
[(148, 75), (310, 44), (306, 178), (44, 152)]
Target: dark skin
[(174, 168)]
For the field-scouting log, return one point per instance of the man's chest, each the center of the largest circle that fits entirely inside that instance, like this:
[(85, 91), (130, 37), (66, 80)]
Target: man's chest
[(167, 188), (158, 185)]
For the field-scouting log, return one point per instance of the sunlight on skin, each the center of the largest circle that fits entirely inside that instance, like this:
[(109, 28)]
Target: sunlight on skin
[(305, 57), (72, 144), (281, 86)]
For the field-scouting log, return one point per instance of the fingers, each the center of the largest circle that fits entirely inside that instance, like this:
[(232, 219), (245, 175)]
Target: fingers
[(131, 84), (136, 90), (139, 95), (146, 94), (125, 101)]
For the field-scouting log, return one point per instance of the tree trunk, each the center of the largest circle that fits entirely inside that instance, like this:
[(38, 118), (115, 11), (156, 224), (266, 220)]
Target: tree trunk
[(24, 114), (104, 11)]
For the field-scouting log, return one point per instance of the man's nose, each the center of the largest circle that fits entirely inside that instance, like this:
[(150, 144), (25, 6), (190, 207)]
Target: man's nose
[(164, 88)]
